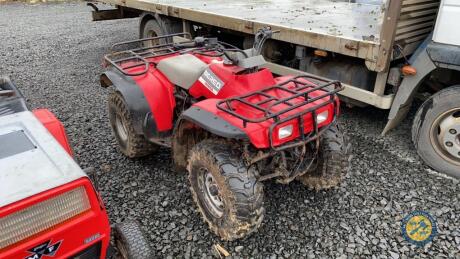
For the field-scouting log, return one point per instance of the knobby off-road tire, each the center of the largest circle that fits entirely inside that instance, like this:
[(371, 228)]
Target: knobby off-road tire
[(439, 116), (131, 144), (130, 241), (332, 163), (240, 194)]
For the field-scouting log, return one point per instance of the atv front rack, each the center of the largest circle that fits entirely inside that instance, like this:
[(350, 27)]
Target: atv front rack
[(124, 60), (302, 89)]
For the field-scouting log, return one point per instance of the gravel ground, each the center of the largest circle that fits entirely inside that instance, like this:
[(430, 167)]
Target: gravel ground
[(53, 53)]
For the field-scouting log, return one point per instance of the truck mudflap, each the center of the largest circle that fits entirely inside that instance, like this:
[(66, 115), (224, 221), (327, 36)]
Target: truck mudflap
[(427, 58), (422, 62)]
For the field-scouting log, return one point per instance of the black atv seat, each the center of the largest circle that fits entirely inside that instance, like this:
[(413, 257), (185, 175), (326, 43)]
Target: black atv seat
[(183, 70)]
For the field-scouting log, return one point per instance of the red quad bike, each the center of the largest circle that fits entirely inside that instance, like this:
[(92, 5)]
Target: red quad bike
[(229, 122), (48, 206)]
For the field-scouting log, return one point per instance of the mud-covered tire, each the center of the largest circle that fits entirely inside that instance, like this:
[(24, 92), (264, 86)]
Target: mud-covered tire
[(426, 123), (131, 144), (130, 241), (240, 193), (332, 163)]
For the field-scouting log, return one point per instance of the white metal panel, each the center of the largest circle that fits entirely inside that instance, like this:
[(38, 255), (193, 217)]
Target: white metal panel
[(447, 25), (34, 171)]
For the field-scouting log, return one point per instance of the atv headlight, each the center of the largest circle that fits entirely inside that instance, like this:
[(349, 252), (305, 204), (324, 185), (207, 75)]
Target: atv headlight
[(322, 117), (285, 131), (41, 216)]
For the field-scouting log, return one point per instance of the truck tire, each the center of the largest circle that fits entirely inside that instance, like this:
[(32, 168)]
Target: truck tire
[(332, 163), (130, 241), (436, 131), (131, 144), (151, 29), (227, 193), (158, 26)]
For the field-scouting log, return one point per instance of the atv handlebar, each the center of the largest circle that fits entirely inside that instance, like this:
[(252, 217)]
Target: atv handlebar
[(261, 36)]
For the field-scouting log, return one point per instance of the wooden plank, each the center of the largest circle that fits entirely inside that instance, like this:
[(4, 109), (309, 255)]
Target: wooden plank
[(387, 35)]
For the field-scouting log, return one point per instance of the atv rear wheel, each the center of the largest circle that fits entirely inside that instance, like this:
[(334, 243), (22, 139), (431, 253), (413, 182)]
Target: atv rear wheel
[(131, 144), (130, 241), (227, 193), (332, 163)]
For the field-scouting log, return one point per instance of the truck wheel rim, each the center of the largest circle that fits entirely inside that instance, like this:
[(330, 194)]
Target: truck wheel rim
[(211, 193), (121, 129), (151, 34), (445, 136)]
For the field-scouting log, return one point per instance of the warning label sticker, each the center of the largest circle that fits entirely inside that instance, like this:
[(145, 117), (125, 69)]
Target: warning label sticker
[(211, 81)]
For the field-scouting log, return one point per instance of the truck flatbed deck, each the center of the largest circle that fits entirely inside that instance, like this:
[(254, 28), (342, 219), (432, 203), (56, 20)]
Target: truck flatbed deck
[(352, 21), (340, 26)]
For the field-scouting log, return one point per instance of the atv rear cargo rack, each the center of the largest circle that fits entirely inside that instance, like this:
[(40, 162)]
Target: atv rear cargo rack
[(138, 56), (302, 89)]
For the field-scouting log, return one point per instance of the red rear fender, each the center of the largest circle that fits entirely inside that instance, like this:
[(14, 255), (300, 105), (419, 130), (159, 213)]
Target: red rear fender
[(54, 126)]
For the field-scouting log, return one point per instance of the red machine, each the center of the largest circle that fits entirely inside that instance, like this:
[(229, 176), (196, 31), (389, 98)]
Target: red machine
[(49, 207), (229, 121)]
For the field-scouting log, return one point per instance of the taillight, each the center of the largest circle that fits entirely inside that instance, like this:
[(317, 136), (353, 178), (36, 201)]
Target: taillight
[(322, 117), (284, 132), (42, 216)]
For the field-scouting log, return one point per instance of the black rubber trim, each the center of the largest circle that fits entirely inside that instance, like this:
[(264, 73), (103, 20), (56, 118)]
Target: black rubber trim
[(139, 109), (212, 123), (444, 55), (12, 103)]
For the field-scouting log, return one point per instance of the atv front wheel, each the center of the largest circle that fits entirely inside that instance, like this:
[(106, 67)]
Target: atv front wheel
[(332, 162), (227, 193), (131, 144), (130, 241)]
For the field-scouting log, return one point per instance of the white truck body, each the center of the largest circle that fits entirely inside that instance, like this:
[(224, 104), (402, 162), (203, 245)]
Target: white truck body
[(447, 30)]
